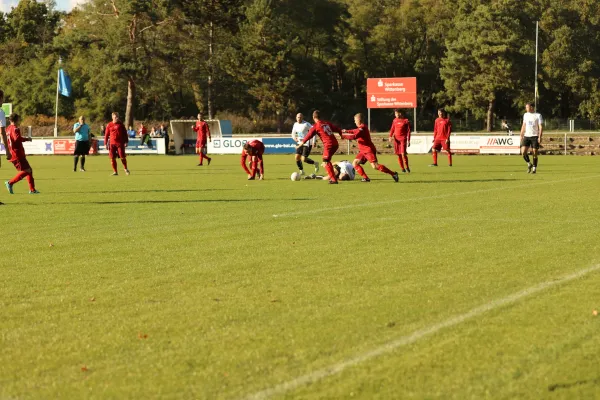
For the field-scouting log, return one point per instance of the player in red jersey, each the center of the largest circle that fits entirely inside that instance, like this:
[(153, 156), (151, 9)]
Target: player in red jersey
[(17, 155), (325, 131), (400, 136), (255, 150), (115, 140), (203, 132), (366, 150), (442, 130)]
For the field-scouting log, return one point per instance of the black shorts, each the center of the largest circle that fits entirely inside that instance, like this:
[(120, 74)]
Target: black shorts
[(304, 151), (82, 148), (530, 141)]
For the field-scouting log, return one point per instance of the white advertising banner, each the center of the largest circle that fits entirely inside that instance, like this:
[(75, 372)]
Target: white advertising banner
[(499, 145), (228, 145), (420, 144), (38, 147), (465, 144)]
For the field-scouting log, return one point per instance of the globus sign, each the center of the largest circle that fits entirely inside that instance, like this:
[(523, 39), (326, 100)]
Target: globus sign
[(392, 92)]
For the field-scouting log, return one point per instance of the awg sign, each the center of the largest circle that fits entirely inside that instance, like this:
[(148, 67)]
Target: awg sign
[(392, 93)]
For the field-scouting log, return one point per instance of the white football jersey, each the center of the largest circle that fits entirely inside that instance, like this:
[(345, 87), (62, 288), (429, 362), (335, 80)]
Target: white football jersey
[(532, 123), (2, 119), (300, 130), (347, 168)]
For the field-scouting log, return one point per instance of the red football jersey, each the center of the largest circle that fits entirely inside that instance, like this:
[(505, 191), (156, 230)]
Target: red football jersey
[(442, 129), (117, 134), (15, 142), (362, 137), (142, 131), (202, 130), (400, 129), (325, 131)]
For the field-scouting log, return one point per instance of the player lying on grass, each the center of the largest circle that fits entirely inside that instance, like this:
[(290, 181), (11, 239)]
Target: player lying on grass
[(17, 155), (366, 150), (325, 130), (442, 129), (255, 150), (343, 170), (400, 137)]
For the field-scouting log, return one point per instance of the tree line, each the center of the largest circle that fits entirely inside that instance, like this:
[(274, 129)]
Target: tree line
[(266, 59)]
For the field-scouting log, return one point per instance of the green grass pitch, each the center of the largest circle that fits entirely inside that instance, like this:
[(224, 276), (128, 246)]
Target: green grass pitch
[(185, 282)]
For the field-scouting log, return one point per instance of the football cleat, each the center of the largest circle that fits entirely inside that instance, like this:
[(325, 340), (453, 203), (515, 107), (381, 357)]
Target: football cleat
[(395, 176), (34, 191), (301, 172), (127, 172), (529, 167), (365, 180), (403, 171), (408, 170), (114, 174), (250, 178), (433, 165), (533, 171), (209, 160), (316, 167), (9, 187), (332, 182)]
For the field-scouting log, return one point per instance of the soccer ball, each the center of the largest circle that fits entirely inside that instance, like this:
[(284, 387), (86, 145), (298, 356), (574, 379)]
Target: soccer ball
[(295, 176)]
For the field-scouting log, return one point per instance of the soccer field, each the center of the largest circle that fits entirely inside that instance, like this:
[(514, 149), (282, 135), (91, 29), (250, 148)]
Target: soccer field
[(184, 282)]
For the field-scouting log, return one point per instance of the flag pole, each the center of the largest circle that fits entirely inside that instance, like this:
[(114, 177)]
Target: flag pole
[(56, 103)]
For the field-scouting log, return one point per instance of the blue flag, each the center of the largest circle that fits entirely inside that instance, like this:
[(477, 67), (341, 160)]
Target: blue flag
[(64, 83)]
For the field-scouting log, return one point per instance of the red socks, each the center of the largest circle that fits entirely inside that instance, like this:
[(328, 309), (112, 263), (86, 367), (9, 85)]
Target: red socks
[(405, 160), (435, 157), (361, 171), (329, 169), (401, 161), (124, 161), (20, 176), (31, 182), (113, 163), (385, 169), (449, 158)]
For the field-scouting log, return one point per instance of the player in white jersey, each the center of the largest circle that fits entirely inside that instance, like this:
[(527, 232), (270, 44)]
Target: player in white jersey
[(344, 171), (300, 129), (531, 136), (3, 129)]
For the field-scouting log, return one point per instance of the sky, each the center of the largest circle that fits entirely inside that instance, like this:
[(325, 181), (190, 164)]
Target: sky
[(63, 5)]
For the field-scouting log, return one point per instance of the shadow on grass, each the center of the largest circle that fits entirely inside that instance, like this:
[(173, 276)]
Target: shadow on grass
[(110, 202), (556, 386), (148, 191), (463, 181)]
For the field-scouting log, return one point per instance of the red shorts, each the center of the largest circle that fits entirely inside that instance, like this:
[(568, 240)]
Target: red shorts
[(441, 144), (201, 144), (328, 152), (21, 164), (365, 156), (117, 150), (400, 146)]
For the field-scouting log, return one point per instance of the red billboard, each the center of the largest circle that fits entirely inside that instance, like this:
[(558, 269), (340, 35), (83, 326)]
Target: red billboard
[(64, 146), (392, 93)]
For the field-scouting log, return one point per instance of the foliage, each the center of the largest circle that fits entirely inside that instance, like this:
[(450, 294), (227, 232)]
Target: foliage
[(268, 59)]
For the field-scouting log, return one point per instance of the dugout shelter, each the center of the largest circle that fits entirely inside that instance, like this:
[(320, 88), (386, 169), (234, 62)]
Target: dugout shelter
[(184, 137)]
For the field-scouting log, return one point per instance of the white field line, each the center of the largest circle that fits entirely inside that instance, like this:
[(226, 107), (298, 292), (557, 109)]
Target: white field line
[(413, 337), (440, 196)]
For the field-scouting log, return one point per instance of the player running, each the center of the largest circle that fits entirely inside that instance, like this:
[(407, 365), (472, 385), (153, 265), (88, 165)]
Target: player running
[(203, 132), (255, 150), (17, 155), (400, 136), (325, 130), (442, 130), (366, 150), (115, 140), (531, 136), (300, 129)]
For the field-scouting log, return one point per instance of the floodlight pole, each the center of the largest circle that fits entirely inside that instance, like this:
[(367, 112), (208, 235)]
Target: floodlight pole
[(537, 23)]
